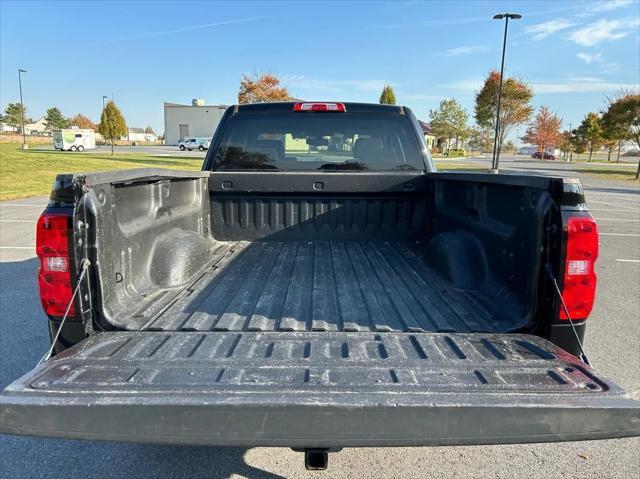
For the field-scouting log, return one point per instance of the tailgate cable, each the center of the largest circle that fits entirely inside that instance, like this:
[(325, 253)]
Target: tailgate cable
[(583, 356), (85, 265)]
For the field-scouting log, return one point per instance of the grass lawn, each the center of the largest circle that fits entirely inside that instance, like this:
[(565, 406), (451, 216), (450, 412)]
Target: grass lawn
[(25, 173), (441, 155), (450, 165), (610, 173), (584, 158), (31, 172)]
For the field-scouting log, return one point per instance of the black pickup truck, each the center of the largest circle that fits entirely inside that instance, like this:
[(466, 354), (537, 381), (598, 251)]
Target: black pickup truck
[(317, 285)]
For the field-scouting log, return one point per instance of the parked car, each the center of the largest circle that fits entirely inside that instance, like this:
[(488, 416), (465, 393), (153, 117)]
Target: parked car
[(538, 155), (194, 144), (317, 299), (455, 152)]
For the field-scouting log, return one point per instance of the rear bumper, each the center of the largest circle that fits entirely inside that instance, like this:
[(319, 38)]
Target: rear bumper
[(317, 390), (319, 425)]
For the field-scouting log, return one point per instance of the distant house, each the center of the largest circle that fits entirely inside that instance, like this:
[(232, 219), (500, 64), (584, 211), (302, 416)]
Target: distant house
[(429, 139), (38, 127), (138, 134), (134, 134), (6, 128)]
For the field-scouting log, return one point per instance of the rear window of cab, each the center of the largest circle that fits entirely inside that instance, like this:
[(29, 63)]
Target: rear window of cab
[(319, 141)]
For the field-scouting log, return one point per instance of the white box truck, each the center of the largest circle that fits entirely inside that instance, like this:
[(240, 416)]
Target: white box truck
[(74, 139)]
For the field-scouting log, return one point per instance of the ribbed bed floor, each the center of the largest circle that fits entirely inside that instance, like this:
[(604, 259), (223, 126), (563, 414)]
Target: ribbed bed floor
[(317, 286)]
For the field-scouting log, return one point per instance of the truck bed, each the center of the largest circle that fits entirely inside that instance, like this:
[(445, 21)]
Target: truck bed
[(316, 286)]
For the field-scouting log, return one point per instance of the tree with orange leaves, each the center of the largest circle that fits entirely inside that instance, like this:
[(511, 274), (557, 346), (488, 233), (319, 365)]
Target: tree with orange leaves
[(261, 89), (514, 107), (82, 121), (544, 130)]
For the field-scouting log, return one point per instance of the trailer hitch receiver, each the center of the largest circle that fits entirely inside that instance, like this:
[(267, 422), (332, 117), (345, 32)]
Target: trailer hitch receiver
[(316, 459)]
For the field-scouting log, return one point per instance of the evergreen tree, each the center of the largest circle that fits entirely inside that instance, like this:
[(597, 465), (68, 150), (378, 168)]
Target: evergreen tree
[(387, 97), (15, 115), (55, 119)]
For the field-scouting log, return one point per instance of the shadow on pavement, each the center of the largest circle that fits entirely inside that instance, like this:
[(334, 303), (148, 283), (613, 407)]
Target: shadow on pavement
[(53, 458), (24, 335), (23, 340)]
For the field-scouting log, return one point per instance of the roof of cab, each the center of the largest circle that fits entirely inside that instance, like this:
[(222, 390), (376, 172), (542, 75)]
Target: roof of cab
[(282, 107)]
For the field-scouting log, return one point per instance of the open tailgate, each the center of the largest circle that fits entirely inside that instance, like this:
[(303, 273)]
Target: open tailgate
[(317, 389)]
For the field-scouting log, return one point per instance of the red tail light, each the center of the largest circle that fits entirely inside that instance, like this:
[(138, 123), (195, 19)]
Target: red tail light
[(54, 276), (337, 107), (579, 276)]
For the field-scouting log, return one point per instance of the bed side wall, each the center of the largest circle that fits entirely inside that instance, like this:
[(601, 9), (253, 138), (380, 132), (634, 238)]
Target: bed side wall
[(148, 236), (489, 235)]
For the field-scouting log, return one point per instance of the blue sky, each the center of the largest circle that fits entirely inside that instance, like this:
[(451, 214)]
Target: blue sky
[(574, 53)]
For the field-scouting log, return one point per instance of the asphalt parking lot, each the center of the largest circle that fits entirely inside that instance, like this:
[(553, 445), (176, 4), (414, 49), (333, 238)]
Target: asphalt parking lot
[(612, 343)]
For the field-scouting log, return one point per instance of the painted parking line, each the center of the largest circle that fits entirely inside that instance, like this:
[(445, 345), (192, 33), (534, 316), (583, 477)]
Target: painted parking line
[(607, 200), (624, 201), (634, 235), (608, 203), (618, 219), (594, 191), (620, 203), (17, 221), (628, 260), (612, 210), (18, 247)]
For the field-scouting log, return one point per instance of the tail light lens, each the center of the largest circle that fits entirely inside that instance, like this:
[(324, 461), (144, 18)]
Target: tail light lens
[(579, 276), (54, 276), (337, 107)]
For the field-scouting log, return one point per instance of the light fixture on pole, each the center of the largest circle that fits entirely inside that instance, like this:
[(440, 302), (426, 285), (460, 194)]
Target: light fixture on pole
[(104, 97), (496, 152), (24, 137)]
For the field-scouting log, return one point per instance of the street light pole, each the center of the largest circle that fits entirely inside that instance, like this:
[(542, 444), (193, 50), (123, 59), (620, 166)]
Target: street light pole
[(570, 144), (104, 97), (496, 152), (24, 136)]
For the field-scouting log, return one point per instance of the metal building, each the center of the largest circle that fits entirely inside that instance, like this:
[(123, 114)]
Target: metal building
[(190, 121)]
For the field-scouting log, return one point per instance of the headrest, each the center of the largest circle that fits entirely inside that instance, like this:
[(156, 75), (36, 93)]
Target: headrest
[(367, 148), (274, 149)]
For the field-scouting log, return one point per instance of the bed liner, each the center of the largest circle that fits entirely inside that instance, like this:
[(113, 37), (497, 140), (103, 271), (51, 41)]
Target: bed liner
[(318, 286)]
